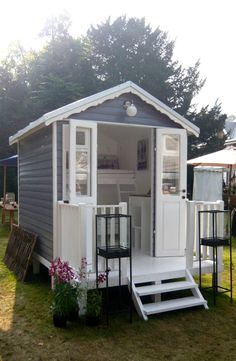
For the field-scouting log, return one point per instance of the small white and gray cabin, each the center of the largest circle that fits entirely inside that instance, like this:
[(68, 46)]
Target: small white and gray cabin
[(112, 176)]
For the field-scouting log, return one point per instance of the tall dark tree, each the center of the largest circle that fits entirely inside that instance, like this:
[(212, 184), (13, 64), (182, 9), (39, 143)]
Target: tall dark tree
[(15, 111), (55, 70), (128, 49), (211, 122), (66, 69)]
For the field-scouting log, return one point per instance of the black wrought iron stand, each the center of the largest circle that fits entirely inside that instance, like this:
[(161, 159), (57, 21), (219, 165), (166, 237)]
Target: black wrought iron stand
[(116, 248), (215, 241)]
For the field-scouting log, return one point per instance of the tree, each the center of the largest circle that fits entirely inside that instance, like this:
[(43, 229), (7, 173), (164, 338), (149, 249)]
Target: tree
[(14, 96), (211, 122), (128, 49), (55, 71), (55, 75), (67, 69)]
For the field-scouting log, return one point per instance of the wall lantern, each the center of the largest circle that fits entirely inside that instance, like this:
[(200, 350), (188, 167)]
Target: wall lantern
[(130, 108)]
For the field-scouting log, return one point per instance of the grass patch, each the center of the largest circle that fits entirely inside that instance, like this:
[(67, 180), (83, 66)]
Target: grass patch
[(27, 332)]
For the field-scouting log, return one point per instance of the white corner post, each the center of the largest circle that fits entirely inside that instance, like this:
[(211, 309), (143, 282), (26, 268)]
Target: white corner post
[(190, 233)]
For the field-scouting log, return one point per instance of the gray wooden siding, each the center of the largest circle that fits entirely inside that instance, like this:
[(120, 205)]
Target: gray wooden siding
[(112, 111), (35, 189)]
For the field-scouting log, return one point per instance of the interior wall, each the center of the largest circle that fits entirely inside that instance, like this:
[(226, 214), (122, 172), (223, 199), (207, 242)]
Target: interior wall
[(128, 156), (123, 142), (106, 145)]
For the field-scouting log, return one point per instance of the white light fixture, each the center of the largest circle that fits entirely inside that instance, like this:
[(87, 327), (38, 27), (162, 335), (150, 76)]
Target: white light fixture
[(130, 108)]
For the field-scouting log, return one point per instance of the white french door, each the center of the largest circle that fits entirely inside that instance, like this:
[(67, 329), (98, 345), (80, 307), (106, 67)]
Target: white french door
[(82, 162), (171, 157)]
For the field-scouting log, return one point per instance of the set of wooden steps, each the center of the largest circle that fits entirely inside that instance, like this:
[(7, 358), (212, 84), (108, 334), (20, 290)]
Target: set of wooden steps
[(164, 284)]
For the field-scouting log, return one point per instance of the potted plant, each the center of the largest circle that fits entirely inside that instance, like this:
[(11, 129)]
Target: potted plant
[(94, 302), (64, 304), (94, 307), (65, 292)]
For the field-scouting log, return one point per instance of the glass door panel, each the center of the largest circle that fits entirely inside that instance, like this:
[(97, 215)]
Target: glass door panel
[(171, 164)]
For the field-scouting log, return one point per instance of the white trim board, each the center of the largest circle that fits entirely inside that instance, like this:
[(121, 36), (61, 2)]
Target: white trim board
[(41, 259), (98, 98)]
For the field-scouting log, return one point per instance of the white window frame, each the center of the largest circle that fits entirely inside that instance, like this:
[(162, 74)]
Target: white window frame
[(69, 144)]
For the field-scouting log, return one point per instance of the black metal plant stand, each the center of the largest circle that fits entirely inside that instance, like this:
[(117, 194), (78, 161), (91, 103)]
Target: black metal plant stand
[(116, 246), (215, 241)]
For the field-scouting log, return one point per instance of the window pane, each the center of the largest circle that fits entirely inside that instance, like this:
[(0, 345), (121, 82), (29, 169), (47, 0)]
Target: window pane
[(171, 164), (172, 143), (82, 184), (80, 137), (81, 161)]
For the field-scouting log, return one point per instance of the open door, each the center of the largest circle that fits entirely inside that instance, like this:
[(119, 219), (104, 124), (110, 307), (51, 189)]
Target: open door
[(83, 162), (171, 160)]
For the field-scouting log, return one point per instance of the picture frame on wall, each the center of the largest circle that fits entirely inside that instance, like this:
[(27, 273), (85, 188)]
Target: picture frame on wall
[(142, 154)]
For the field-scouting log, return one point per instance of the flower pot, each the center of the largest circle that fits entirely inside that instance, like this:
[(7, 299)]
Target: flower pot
[(73, 316), (59, 321), (92, 320)]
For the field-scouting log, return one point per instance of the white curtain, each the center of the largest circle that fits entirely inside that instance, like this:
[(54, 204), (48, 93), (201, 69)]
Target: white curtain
[(207, 183)]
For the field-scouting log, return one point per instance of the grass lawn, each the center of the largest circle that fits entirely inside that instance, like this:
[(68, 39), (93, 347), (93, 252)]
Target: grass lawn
[(27, 332)]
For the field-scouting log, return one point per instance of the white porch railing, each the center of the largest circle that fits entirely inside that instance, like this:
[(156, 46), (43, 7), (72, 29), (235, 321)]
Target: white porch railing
[(76, 231), (192, 244)]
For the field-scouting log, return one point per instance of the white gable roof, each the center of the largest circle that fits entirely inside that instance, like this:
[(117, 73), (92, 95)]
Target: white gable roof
[(98, 98)]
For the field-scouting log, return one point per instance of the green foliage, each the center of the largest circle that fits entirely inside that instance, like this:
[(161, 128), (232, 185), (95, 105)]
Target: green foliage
[(54, 76), (11, 180), (14, 97), (128, 49), (56, 28), (66, 69), (94, 303), (211, 123), (65, 299)]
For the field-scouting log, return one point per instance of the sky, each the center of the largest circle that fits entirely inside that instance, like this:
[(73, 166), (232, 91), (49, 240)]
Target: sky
[(202, 29)]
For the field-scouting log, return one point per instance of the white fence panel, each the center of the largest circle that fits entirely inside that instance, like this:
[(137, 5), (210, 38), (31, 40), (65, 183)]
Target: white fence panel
[(192, 246), (77, 231), (70, 247)]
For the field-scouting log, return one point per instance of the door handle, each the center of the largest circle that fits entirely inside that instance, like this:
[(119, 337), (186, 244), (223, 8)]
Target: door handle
[(183, 197), (183, 190)]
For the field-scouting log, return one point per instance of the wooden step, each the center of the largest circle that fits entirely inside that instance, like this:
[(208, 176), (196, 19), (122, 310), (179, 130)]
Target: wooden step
[(171, 305), (158, 277), (164, 288)]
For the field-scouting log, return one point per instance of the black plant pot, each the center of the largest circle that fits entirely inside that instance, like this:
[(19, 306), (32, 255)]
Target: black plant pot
[(73, 316), (92, 320), (59, 321)]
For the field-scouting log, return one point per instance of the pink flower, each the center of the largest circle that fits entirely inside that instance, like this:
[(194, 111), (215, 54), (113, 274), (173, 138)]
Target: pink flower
[(62, 272), (103, 276)]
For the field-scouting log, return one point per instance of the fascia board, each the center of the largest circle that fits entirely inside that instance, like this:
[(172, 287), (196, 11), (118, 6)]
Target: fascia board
[(163, 108), (96, 99)]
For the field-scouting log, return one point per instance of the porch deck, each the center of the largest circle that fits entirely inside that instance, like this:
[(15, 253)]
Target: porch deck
[(143, 264), (79, 222), (146, 268)]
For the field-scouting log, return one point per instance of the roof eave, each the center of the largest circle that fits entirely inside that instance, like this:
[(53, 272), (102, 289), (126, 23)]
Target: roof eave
[(98, 98), (163, 108)]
